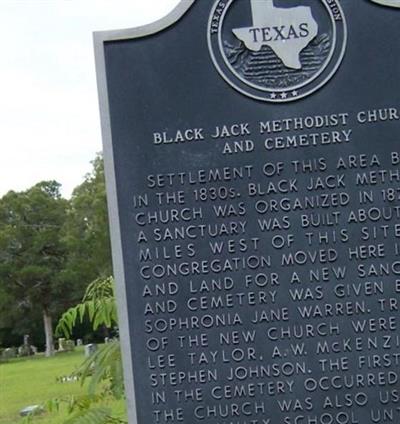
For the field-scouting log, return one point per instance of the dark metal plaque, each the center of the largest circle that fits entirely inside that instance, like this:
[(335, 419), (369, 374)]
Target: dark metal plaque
[(253, 166)]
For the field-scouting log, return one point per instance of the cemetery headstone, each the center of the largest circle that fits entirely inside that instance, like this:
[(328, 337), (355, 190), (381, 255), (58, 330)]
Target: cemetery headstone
[(25, 349), (69, 345), (31, 410), (26, 339), (61, 344), (253, 172), (9, 353), (90, 349)]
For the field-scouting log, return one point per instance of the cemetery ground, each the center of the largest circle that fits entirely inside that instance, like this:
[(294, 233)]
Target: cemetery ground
[(34, 381)]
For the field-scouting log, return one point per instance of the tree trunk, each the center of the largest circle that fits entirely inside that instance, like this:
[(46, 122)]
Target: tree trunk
[(48, 330)]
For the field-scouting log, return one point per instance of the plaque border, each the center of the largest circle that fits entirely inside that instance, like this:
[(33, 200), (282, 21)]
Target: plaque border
[(100, 38), (389, 3)]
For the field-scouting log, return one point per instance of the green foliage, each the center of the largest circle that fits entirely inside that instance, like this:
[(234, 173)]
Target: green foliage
[(103, 369), (81, 412), (33, 380), (31, 250), (32, 253), (104, 366), (99, 415), (98, 305), (50, 248), (86, 232)]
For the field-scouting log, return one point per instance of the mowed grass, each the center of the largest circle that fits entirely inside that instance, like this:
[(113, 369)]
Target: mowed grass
[(33, 381)]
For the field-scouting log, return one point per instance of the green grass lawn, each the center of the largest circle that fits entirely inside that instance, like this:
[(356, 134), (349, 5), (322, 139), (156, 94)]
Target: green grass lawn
[(32, 381)]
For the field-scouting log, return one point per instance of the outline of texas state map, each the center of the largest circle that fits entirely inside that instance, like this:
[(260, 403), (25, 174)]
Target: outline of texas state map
[(286, 31)]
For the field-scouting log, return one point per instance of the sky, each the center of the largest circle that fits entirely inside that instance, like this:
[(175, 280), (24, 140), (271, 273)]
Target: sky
[(49, 118)]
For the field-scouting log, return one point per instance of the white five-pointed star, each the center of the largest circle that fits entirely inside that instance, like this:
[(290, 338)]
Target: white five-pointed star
[(295, 93), (283, 95), (273, 95)]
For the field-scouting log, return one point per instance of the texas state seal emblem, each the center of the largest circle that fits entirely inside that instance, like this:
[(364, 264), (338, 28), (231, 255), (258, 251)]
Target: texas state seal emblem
[(277, 50)]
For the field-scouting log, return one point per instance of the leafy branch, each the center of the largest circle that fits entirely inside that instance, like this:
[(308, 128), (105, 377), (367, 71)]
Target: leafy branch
[(98, 305), (104, 367)]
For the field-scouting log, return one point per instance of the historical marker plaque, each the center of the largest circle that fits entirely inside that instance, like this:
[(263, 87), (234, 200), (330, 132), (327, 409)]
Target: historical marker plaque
[(253, 160)]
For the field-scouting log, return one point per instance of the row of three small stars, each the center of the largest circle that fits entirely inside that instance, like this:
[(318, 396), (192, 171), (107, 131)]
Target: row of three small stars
[(284, 95)]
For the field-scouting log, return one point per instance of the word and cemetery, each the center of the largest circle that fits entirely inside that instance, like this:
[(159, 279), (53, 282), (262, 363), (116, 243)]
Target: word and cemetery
[(252, 155)]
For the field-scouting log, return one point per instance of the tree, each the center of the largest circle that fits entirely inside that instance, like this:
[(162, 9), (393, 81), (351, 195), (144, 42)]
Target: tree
[(18, 319), (78, 231), (32, 253), (86, 232)]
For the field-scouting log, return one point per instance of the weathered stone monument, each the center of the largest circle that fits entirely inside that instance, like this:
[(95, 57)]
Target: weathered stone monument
[(26, 349), (90, 349), (65, 345), (252, 154)]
